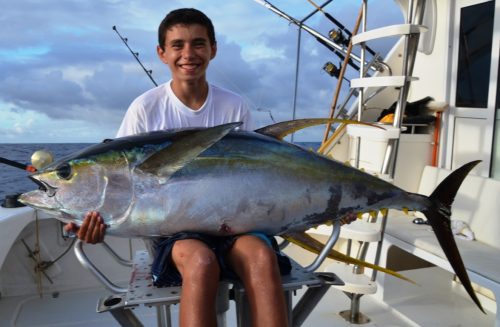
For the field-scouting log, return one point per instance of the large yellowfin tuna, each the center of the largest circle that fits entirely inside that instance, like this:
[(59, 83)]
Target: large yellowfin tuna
[(219, 181)]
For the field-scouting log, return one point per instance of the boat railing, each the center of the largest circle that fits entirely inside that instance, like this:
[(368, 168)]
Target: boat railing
[(87, 263)]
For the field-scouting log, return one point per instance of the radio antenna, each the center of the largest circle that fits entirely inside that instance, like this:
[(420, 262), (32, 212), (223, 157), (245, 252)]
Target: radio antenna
[(136, 56)]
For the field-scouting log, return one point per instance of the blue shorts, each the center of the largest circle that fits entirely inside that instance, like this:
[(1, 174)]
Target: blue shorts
[(164, 272)]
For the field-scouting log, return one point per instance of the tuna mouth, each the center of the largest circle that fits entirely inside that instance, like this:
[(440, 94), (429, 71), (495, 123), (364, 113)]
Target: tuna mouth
[(42, 186)]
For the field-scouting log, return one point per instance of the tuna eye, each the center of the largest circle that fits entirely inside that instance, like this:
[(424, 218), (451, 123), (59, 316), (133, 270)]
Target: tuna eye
[(64, 171)]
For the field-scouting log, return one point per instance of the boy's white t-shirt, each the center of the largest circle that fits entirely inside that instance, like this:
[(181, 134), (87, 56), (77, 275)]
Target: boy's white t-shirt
[(160, 109)]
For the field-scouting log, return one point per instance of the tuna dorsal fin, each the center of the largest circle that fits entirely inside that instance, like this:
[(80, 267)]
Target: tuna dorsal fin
[(309, 243), (168, 160), (282, 129)]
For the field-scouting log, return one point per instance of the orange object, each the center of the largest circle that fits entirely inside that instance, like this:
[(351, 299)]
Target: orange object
[(30, 168), (389, 118), (435, 147)]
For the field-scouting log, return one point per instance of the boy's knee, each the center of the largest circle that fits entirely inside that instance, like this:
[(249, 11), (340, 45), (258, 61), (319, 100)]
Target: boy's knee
[(263, 258), (203, 257), (262, 270), (202, 263)]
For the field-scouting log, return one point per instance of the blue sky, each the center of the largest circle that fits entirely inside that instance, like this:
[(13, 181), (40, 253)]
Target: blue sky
[(65, 76)]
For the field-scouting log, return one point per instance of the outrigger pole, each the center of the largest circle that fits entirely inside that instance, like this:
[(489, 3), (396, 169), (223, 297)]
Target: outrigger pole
[(297, 62), (136, 56), (336, 48)]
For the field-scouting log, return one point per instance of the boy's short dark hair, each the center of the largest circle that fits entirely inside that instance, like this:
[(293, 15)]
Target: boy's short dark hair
[(187, 16)]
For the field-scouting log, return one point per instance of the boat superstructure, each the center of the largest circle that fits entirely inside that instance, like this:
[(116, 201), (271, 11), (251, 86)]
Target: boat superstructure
[(446, 50)]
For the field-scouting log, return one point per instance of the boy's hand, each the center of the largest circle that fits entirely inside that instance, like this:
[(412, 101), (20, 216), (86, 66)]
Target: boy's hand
[(91, 231)]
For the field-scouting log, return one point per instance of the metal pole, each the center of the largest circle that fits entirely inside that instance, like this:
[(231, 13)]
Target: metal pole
[(326, 249), (296, 79), (312, 296), (84, 260), (340, 78), (361, 96), (307, 303), (297, 62), (411, 45), (126, 318), (392, 146), (120, 260)]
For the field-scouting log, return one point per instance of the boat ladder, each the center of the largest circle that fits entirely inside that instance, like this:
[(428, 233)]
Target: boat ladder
[(357, 284)]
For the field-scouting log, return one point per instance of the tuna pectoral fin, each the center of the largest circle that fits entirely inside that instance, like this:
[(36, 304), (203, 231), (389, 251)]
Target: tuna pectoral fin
[(443, 197), (168, 160), (309, 243), (282, 129)]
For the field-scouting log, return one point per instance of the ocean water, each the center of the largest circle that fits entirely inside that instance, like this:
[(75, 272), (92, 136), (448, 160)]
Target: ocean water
[(14, 180)]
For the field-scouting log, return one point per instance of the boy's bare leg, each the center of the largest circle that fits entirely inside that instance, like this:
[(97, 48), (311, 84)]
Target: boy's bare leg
[(256, 264), (200, 271)]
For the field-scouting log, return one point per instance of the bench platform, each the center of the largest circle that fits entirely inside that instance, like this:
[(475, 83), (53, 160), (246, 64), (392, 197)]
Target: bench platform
[(477, 204)]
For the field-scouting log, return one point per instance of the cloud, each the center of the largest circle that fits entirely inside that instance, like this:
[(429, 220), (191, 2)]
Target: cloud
[(63, 61)]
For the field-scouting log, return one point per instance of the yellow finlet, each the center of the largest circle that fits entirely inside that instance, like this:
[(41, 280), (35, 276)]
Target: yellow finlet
[(309, 243)]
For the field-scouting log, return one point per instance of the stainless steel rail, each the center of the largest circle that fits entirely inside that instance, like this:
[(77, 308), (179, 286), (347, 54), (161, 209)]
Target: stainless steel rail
[(84, 260), (334, 236)]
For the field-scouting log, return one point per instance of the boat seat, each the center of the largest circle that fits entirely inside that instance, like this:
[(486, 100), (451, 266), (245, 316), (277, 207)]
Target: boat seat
[(141, 291)]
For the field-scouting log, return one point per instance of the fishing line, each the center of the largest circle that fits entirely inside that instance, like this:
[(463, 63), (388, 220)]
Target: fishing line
[(236, 88)]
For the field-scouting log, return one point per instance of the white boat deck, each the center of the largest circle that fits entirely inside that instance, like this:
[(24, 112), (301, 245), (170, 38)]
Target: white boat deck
[(430, 304)]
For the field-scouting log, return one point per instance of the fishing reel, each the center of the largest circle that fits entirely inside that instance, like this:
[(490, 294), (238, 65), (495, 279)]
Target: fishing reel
[(41, 158), (338, 37), (331, 69)]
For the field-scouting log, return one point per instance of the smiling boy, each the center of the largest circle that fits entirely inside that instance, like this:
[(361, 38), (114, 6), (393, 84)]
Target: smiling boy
[(187, 44)]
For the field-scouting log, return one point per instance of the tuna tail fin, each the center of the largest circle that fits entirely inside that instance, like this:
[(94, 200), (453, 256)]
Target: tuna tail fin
[(439, 218), (309, 243)]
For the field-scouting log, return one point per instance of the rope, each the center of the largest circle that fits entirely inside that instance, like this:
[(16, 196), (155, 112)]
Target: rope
[(38, 260)]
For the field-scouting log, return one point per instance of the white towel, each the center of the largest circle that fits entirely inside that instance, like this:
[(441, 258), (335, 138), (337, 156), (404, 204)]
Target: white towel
[(462, 230)]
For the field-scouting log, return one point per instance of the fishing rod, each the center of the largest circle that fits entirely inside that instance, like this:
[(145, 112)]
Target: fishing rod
[(19, 165), (337, 35), (338, 49), (136, 56)]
